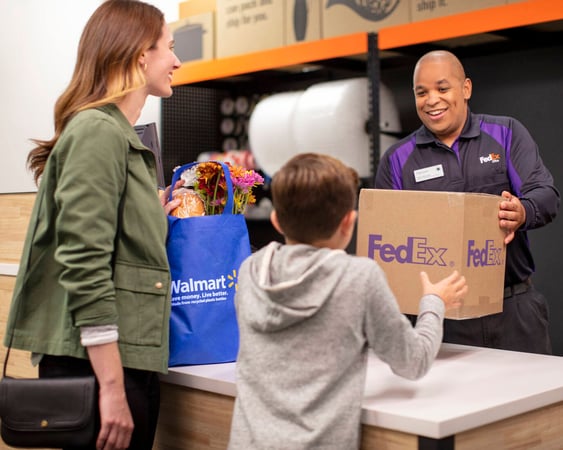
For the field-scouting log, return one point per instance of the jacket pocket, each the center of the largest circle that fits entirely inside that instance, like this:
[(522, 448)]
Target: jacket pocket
[(142, 304)]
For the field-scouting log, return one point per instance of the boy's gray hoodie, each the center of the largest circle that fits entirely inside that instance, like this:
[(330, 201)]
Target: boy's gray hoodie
[(307, 316)]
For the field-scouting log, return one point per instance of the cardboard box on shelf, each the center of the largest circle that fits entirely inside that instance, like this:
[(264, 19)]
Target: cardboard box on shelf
[(246, 26), (302, 21), (430, 9), (352, 16), (407, 232), (194, 7), (194, 37)]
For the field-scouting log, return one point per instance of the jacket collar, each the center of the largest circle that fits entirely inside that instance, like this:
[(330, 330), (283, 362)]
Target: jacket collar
[(470, 130), (113, 111)]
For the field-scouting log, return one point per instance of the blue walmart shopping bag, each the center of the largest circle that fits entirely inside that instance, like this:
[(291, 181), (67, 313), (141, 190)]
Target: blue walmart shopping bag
[(205, 254)]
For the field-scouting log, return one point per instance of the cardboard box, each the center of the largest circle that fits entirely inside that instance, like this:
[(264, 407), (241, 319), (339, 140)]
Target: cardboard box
[(246, 26), (350, 16), (194, 37), (407, 232), (430, 9), (195, 7), (302, 21)]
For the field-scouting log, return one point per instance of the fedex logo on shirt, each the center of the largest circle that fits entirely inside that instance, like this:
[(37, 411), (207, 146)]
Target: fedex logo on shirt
[(414, 251), (487, 255), (491, 158)]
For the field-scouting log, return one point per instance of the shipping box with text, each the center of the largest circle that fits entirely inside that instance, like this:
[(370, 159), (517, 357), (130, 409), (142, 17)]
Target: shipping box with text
[(302, 21), (194, 37), (407, 232), (246, 26), (190, 8), (341, 17), (430, 9)]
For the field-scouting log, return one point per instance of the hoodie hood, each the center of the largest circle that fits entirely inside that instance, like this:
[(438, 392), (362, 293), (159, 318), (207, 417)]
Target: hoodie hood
[(288, 284)]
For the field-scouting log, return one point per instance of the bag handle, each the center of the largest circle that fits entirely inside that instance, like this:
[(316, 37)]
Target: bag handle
[(230, 195)]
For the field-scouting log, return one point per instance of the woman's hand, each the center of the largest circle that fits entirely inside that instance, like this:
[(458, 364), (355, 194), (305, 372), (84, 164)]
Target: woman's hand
[(116, 422), (164, 195)]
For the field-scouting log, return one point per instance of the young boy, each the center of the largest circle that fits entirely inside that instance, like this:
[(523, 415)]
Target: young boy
[(308, 312)]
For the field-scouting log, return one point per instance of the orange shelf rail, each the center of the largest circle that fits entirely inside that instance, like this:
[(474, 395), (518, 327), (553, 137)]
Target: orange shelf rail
[(474, 22), (305, 52)]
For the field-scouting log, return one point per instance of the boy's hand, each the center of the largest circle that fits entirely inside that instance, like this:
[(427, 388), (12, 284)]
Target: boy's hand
[(451, 289)]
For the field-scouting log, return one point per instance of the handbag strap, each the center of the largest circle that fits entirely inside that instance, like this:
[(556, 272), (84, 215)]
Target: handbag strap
[(230, 196), (7, 356)]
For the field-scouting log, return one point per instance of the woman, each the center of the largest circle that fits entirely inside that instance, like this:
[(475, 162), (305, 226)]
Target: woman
[(91, 295)]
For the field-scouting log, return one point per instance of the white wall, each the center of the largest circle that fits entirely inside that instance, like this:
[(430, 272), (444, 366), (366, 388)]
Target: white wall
[(38, 51)]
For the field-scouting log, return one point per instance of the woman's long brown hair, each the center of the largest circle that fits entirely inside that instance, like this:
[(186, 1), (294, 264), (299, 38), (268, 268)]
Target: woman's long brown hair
[(107, 65)]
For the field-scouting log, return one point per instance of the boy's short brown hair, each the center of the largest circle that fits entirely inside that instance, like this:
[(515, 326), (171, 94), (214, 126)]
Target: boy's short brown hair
[(311, 194)]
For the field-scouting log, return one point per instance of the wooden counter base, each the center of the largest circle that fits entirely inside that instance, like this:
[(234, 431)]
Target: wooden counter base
[(199, 420), (193, 419)]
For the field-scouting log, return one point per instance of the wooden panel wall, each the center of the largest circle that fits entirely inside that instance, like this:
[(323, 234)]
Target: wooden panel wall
[(19, 364), (16, 210)]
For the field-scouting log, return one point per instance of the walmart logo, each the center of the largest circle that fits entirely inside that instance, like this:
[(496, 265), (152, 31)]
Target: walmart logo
[(233, 280), (193, 291), (211, 284)]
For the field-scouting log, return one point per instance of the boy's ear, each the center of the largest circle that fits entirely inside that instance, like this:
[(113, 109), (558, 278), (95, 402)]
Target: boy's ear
[(275, 223), (349, 221)]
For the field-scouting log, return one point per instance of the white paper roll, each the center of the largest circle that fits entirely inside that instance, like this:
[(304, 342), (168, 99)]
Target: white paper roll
[(327, 118), (269, 131), (330, 118)]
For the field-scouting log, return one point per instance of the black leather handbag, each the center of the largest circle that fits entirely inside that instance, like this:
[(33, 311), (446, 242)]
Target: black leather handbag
[(48, 412)]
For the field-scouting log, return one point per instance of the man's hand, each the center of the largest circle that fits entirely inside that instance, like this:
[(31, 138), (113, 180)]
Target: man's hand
[(511, 215)]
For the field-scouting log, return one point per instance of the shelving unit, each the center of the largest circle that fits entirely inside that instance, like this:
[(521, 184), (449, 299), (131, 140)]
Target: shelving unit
[(488, 22), (496, 30)]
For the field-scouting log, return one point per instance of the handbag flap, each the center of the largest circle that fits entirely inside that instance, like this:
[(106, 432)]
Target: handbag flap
[(55, 404)]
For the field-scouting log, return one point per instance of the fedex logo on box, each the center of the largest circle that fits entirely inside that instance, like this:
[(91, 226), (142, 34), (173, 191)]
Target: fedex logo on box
[(489, 255), (417, 250), (410, 231), (414, 251)]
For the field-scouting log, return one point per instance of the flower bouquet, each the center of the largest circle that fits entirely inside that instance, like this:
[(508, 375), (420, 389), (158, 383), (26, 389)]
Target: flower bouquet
[(204, 255), (204, 189)]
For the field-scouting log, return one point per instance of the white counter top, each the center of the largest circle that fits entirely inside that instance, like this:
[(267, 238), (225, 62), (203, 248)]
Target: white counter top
[(9, 269), (467, 387), (218, 378)]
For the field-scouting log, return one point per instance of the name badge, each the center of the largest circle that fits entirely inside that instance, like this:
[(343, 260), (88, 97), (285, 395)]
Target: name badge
[(429, 173)]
